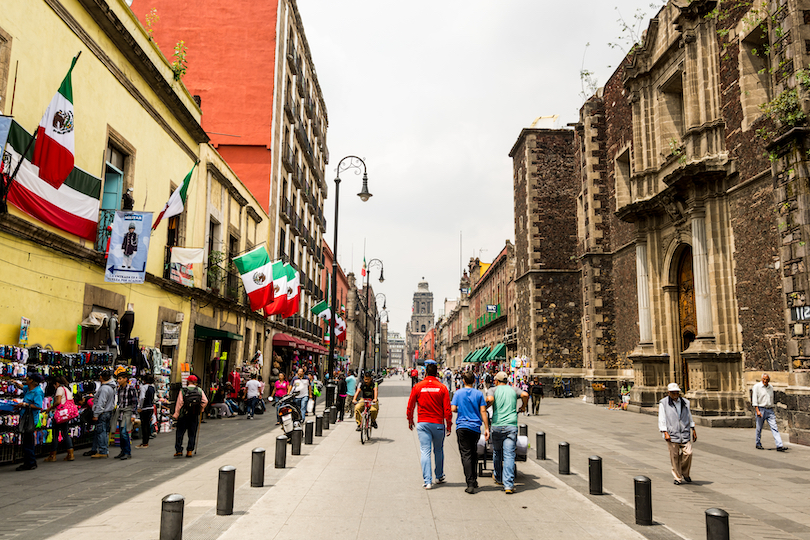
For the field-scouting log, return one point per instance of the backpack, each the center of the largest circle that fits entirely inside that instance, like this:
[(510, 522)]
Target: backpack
[(192, 401)]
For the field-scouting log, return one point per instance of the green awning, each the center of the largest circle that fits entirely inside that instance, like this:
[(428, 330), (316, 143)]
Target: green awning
[(204, 332), (498, 353), (469, 355), (480, 355)]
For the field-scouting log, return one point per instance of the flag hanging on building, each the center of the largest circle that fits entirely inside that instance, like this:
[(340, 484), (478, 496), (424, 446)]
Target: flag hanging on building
[(340, 329), (177, 202), (278, 303), (73, 207), (256, 270), (322, 311), (293, 291), (54, 148)]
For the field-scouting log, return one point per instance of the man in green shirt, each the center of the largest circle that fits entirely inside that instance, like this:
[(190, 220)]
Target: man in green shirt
[(503, 399)]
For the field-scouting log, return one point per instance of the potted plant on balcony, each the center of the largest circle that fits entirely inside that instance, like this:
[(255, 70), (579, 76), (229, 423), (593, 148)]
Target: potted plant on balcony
[(215, 271)]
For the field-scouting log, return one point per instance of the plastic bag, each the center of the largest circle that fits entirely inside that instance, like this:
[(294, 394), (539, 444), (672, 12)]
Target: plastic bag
[(310, 407)]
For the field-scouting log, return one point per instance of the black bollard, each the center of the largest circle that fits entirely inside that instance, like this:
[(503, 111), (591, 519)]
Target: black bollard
[(333, 414), (523, 430), (541, 444), (171, 517), (319, 426), (326, 419), (297, 436), (330, 394), (308, 432), (595, 475), (257, 468), (643, 489), (225, 487), (565, 458), (717, 524), (281, 451)]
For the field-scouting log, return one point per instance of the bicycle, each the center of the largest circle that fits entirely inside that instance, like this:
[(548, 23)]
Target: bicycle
[(365, 422)]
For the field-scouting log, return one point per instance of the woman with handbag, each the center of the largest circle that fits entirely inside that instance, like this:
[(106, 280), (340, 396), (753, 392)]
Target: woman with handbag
[(64, 410), (30, 406)]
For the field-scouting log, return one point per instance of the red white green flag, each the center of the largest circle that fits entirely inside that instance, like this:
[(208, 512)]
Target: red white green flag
[(363, 271), (340, 329), (278, 303), (177, 202), (322, 311), (255, 269), (54, 148), (293, 291)]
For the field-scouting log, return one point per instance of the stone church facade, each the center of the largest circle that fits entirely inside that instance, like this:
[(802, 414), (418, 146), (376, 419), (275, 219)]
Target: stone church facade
[(692, 216), (422, 319)]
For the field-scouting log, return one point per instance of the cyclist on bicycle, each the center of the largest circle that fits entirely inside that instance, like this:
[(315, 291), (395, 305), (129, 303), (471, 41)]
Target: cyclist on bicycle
[(367, 390)]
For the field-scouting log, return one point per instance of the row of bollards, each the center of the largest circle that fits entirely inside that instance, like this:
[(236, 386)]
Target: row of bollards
[(717, 526), (171, 517)]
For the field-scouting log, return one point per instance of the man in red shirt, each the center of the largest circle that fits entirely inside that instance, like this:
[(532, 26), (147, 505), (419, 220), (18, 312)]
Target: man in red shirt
[(435, 418)]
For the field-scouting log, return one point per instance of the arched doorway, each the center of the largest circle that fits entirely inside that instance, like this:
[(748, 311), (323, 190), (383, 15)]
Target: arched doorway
[(687, 316)]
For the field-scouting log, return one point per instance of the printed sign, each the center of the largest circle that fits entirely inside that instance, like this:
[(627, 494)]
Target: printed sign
[(800, 313), (24, 325), (492, 308), (171, 334), (129, 247)]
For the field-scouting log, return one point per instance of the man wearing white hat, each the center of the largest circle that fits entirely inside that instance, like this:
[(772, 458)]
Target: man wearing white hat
[(675, 422)]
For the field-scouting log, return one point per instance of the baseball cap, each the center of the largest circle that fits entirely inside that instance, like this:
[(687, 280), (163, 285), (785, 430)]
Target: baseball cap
[(502, 376), (193, 379), (673, 387)]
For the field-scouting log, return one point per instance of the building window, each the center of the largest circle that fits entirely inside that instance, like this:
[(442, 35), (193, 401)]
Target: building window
[(281, 239), (5, 66), (113, 179), (423, 328), (671, 117), (755, 74), (622, 173)]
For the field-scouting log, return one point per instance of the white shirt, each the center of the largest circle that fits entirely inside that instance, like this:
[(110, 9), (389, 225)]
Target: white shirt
[(252, 387), (662, 419), (762, 396)]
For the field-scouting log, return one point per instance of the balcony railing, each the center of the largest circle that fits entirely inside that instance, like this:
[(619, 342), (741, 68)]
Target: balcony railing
[(105, 219), (286, 210), (301, 83), (225, 282), (288, 157), (295, 223), (292, 58), (298, 175), (309, 106), (289, 108)]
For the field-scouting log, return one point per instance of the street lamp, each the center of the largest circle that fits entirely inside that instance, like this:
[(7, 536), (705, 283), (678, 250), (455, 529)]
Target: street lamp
[(345, 164), (378, 340), (372, 262)]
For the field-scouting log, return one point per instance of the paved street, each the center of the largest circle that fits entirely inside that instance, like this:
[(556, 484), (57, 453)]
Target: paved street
[(342, 489)]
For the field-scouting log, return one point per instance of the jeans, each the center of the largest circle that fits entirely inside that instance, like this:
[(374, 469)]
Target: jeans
[(103, 433), (188, 423), (251, 406), (123, 432), (29, 450), (146, 426), (302, 406), (63, 430), (431, 435), (232, 405), (468, 448), (341, 405), (535, 403), (770, 417), (504, 442)]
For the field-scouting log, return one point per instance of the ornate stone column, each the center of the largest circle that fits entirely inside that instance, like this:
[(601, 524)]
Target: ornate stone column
[(700, 272), (643, 291)]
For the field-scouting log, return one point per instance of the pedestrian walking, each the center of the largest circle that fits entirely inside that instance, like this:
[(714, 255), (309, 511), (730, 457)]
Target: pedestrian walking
[(146, 408), (675, 422), (127, 397), (190, 403), (434, 419), (471, 412), (63, 396), (414, 376), (342, 392), (302, 391), (253, 393), (351, 388), (29, 407), (103, 406), (503, 399), (762, 400), (536, 393)]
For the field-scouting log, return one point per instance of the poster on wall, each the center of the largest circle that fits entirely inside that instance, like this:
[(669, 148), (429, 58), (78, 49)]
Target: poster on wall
[(129, 247), (184, 263), (171, 334), (24, 325)]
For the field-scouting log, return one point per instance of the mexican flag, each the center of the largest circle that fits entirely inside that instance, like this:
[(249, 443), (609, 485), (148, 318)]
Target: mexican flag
[(177, 202), (256, 270), (322, 311), (278, 302), (54, 147), (363, 271), (326, 338), (73, 207), (293, 291), (340, 329)]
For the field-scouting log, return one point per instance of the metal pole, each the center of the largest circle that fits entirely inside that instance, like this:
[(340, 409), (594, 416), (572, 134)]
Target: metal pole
[(335, 306), (643, 490), (595, 475), (297, 435), (541, 444), (171, 517), (523, 430), (257, 468), (225, 487), (319, 426), (565, 458), (717, 524), (281, 451), (308, 432), (365, 333)]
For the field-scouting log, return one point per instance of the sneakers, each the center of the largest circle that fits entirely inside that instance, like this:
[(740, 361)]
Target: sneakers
[(27, 467), (374, 424), (441, 480), (470, 490), (781, 449), (677, 482), (125, 457), (760, 447), (498, 482), (358, 428), (426, 486), (509, 491), (142, 446), (88, 453), (688, 479), (99, 456)]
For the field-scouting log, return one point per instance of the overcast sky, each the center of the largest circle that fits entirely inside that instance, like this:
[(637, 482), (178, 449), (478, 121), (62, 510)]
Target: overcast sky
[(433, 94)]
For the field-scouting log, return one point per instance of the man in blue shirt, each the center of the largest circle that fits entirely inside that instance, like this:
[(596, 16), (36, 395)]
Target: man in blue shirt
[(472, 412), (351, 388), (31, 405)]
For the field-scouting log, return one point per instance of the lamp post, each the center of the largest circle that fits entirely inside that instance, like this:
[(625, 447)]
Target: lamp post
[(378, 328), (345, 164), (378, 357), (372, 262)]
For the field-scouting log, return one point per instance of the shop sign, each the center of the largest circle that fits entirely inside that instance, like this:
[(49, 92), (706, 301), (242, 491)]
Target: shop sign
[(800, 313), (129, 246), (171, 334), (492, 308)]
